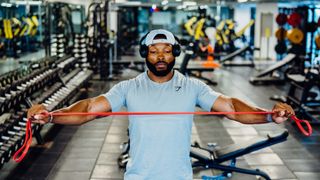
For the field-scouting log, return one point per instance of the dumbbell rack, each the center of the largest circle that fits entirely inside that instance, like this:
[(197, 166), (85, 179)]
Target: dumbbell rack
[(80, 49), (58, 45), (54, 82)]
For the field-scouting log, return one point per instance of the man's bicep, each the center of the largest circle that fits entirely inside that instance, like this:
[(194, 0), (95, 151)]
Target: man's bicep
[(100, 104), (223, 104)]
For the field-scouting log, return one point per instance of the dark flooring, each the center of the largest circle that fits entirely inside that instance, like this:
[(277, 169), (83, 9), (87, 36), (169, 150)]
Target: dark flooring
[(90, 151)]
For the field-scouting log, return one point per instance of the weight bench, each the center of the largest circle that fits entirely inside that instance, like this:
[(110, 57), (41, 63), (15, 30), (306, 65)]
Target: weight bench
[(228, 59), (231, 153), (186, 69), (263, 78)]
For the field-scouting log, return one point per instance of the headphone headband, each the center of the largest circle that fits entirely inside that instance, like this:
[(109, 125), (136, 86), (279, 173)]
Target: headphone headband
[(143, 50)]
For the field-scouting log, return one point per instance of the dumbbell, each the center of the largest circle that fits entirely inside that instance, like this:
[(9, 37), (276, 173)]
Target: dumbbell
[(7, 143), (5, 100), (56, 97), (22, 93), (13, 143), (12, 137), (3, 104), (25, 86), (51, 103), (44, 96), (2, 158), (23, 124), (6, 151), (14, 96), (17, 136), (60, 96), (13, 121)]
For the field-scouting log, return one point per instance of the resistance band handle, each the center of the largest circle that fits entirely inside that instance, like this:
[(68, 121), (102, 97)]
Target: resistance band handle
[(307, 132)]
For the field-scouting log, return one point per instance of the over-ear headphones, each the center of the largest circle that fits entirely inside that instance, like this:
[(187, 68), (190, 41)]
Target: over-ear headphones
[(143, 49)]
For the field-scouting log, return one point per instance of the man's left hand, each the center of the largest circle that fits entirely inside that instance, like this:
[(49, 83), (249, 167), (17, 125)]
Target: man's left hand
[(282, 112)]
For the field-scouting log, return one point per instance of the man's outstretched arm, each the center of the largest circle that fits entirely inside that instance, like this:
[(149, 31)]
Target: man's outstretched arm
[(38, 113), (228, 104)]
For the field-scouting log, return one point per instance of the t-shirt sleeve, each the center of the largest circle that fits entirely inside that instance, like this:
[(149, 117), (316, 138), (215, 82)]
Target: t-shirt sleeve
[(206, 96), (117, 95)]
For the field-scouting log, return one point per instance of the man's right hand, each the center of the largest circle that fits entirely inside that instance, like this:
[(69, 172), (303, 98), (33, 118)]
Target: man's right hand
[(38, 114)]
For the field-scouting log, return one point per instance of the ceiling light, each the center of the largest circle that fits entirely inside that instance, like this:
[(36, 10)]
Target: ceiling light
[(189, 3), (164, 2)]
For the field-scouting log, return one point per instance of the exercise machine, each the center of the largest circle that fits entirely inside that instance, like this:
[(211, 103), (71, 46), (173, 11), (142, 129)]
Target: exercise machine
[(266, 76), (218, 156), (303, 95), (228, 59), (230, 154), (188, 69)]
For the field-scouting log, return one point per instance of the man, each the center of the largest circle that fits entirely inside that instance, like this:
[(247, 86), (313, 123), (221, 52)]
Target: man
[(160, 145)]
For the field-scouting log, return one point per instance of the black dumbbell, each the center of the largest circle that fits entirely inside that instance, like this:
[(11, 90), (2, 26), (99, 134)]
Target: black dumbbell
[(7, 151), (16, 140), (2, 158)]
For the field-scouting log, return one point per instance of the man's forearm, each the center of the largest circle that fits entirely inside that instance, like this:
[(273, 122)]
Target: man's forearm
[(80, 106), (240, 106)]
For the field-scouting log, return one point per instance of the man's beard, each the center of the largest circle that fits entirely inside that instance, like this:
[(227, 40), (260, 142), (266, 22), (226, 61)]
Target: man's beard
[(161, 73)]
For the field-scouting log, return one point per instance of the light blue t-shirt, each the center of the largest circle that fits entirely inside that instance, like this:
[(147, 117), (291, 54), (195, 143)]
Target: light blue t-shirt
[(160, 145)]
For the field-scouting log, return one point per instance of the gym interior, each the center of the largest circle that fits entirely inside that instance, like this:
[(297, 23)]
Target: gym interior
[(56, 53)]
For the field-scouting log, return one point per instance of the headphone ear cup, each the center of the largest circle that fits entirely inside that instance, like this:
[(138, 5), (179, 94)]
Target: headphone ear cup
[(143, 51), (176, 50)]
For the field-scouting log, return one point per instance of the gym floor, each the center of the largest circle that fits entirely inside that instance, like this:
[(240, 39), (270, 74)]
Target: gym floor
[(90, 151)]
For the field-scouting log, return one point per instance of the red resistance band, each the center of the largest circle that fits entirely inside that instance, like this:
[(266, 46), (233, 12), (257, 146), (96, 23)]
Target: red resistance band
[(28, 137)]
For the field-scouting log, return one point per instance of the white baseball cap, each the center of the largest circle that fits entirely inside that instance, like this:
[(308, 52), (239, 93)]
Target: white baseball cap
[(152, 34)]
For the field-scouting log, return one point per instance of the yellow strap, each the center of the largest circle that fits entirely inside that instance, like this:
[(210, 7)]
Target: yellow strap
[(241, 32), (30, 25), (231, 26), (24, 29), (35, 20), (16, 26), (8, 29), (36, 24), (16, 32), (229, 21), (5, 28), (198, 32), (188, 25), (227, 32), (220, 26), (224, 38), (16, 21)]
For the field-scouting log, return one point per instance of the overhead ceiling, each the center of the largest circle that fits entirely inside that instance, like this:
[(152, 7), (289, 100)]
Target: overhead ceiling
[(229, 1), (212, 3)]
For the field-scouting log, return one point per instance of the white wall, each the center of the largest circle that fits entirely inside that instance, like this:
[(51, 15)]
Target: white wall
[(242, 16), (113, 16), (161, 18), (265, 8)]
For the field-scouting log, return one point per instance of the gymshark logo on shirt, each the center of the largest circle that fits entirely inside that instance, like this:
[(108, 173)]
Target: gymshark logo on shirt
[(177, 88)]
